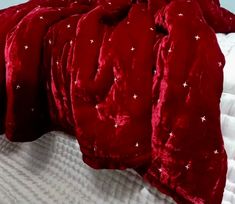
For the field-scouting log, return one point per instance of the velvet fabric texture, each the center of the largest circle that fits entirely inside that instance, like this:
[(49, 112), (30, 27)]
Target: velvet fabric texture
[(137, 82)]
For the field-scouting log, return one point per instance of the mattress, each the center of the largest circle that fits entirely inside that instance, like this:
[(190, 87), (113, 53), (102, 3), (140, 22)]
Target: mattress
[(51, 170)]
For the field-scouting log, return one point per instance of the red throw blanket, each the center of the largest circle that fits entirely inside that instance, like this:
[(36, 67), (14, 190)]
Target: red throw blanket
[(138, 82)]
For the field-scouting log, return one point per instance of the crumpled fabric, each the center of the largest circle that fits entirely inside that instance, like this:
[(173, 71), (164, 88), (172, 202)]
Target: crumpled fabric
[(137, 82)]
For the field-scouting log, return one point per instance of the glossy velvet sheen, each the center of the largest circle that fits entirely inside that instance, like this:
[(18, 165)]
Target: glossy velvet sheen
[(138, 83)]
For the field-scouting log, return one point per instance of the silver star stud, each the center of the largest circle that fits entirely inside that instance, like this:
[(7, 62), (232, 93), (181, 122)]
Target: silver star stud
[(68, 26), (92, 41), (185, 84), (135, 96), (41, 17), (171, 134), (187, 167), (26, 47), (203, 119), (220, 64), (180, 14), (216, 152), (18, 87), (197, 37), (132, 49), (137, 144), (116, 125)]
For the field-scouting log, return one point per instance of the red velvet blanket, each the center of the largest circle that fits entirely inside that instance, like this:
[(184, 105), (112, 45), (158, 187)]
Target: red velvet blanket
[(137, 82)]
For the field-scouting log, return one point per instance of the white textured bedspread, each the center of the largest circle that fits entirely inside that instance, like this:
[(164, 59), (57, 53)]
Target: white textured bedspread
[(50, 170)]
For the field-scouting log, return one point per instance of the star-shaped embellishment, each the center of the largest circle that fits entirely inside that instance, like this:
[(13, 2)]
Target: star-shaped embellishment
[(170, 50), (92, 41), (197, 37), (203, 118), (115, 79), (180, 14), (18, 87), (26, 47), (41, 17), (116, 125), (132, 49), (137, 144), (128, 22), (185, 84), (71, 42), (96, 107), (216, 152), (151, 28), (160, 170), (49, 41), (220, 64), (187, 166), (171, 134), (135, 96), (68, 26)]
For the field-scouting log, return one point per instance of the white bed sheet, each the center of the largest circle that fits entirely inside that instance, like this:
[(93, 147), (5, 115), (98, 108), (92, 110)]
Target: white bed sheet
[(50, 170)]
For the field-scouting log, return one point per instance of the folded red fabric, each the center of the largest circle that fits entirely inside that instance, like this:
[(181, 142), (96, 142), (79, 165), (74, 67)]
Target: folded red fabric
[(188, 156), (137, 82), (9, 18), (220, 19), (24, 77), (56, 72), (112, 99)]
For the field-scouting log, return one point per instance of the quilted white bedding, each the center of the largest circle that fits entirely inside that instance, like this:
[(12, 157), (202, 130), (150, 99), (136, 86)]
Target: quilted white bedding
[(51, 170)]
